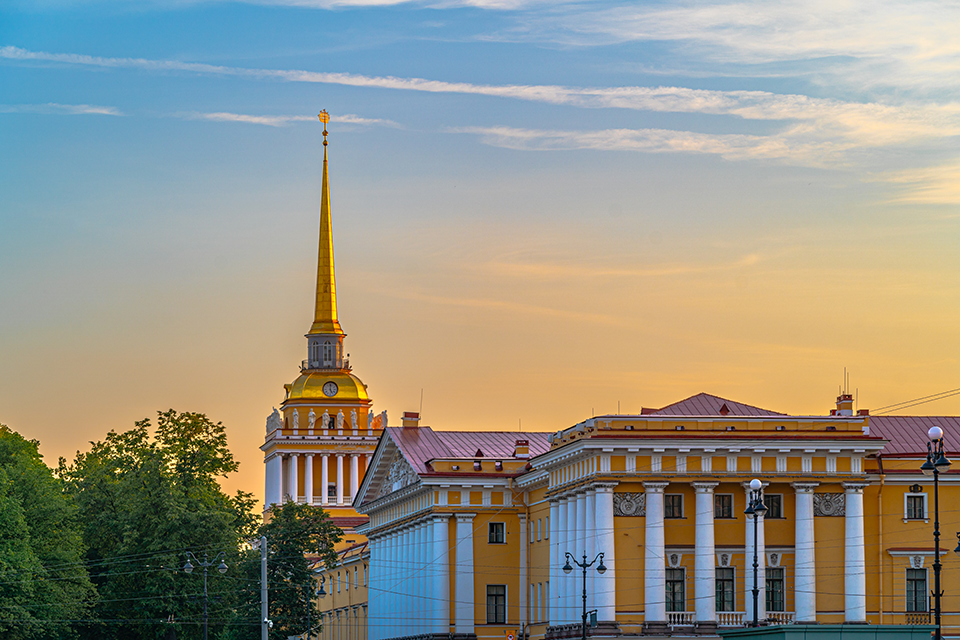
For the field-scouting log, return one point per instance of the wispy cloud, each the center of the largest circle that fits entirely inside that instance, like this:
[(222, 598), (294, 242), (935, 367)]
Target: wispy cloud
[(281, 121), (928, 185), (728, 146), (882, 43), (558, 270), (53, 108)]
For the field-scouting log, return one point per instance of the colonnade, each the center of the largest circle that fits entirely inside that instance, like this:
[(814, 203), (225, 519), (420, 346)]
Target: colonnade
[(410, 578), (805, 597), (283, 477), (581, 523)]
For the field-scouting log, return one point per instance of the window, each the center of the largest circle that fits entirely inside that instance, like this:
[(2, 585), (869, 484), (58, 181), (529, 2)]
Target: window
[(676, 590), (916, 590), (331, 490), (496, 533), (356, 575), (775, 601), (496, 604), (315, 352), (673, 506), (725, 589), (546, 529), (916, 507), (541, 603), (774, 502), (364, 575), (723, 505), (338, 582), (327, 353), (539, 522)]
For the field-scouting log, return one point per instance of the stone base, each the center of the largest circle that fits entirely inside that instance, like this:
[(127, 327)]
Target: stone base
[(655, 629), (705, 628)]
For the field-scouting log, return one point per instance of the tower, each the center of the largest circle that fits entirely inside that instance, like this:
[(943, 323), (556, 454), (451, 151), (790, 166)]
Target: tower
[(318, 445)]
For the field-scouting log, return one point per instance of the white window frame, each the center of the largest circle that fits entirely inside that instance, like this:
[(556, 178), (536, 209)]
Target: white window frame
[(926, 510), (490, 530), (506, 605), (539, 528), (733, 506), (546, 529)]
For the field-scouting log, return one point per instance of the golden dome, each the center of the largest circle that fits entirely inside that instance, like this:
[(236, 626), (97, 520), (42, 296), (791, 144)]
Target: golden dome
[(310, 385)]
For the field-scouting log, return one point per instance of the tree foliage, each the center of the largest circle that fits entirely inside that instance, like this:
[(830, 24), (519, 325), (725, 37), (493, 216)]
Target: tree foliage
[(298, 537), (145, 501), (43, 584)]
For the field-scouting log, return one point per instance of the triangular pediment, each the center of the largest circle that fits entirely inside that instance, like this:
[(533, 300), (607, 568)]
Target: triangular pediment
[(705, 404), (389, 472)]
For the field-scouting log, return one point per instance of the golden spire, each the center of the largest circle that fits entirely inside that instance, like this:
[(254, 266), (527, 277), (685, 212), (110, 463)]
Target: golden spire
[(325, 313)]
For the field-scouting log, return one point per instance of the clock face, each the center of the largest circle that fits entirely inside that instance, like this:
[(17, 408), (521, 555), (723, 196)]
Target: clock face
[(330, 389)]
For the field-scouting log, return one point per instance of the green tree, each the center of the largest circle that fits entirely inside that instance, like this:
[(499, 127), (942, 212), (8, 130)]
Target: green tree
[(146, 500), (43, 583), (298, 536)]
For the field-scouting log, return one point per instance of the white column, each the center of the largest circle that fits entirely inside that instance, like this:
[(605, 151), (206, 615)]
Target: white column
[(591, 544), (654, 558), (606, 585), (354, 476), (571, 580), (561, 583), (281, 479), (373, 594), (805, 581), (581, 535), (704, 580), (324, 478), (421, 625), (404, 583), (522, 619), (440, 590), (273, 474), (553, 615), (339, 478), (855, 577), (308, 479), (294, 480), (393, 576), (464, 596)]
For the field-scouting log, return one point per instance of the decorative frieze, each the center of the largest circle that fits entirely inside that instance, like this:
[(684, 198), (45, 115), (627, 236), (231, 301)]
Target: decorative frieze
[(829, 504), (629, 504)]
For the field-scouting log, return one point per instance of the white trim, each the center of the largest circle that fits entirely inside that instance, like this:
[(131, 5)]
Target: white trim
[(926, 511)]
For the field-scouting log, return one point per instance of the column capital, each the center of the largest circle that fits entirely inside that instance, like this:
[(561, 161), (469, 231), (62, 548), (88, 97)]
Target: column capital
[(854, 487), (705, 487), (522, 517), (465, 517), (604, 487), (655, 487), (804, 487), (309, 455), (340, 455), (293, 454), (324, 455)]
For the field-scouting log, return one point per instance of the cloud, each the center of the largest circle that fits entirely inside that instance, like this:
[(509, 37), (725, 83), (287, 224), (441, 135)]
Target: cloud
[(728, 146), (281, 121), (554, 270), (880, 43), (53, 108), (849, 123), (928, 185)]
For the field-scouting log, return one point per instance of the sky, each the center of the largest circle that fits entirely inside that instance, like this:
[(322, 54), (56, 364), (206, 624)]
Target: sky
[(543, 211)]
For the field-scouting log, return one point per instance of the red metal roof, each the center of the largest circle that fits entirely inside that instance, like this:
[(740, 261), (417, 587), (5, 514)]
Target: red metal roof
[(908, 434), (420, 444), (704, 404)]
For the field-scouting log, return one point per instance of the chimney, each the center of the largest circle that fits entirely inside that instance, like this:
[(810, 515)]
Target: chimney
[(411, 419), (521, 449), (845, 404)]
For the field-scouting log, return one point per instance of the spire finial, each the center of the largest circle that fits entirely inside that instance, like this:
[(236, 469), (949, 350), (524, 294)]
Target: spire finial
[(324, 118)]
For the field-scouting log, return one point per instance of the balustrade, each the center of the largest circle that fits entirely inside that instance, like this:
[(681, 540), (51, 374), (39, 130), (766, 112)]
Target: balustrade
[(675, 618)]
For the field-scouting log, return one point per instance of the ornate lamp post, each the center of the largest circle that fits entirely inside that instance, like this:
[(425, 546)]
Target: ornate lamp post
[(756, 508), (936, 464), (320, 593), (206, 564), (601, 569)]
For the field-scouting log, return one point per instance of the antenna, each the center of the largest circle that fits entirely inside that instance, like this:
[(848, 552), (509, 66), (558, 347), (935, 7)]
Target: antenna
[(421, 403), (520, 422)]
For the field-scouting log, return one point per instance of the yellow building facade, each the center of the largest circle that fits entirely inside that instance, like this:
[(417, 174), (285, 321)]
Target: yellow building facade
[(464, 535)]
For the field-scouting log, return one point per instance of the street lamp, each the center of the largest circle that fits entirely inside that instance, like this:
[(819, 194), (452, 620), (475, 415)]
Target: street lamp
[(601, 569), (206, 564), (756, 508), (936, 464), (318, 593)]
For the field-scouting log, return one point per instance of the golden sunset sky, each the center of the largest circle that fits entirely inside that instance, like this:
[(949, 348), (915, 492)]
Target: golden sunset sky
[(542, 211)]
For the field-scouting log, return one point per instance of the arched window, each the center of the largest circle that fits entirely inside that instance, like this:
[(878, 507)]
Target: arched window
[(327, 353), (314, 351)]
